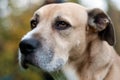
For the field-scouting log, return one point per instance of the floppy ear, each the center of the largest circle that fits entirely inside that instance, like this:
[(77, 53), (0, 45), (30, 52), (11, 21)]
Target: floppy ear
[(102, 24)]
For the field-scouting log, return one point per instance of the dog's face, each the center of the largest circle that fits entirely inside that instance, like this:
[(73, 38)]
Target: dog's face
[(57, 31)]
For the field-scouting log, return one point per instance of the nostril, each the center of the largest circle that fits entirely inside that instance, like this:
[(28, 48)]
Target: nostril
[(28, 45)]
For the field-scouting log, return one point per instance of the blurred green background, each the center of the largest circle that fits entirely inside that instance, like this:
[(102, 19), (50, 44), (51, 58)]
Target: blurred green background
[(14, 23)]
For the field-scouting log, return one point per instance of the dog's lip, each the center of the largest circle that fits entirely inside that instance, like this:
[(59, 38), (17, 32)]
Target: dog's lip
[(24, 64)]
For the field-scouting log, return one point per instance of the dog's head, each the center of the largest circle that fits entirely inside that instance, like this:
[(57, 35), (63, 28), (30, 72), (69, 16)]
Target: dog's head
[(60, 31)]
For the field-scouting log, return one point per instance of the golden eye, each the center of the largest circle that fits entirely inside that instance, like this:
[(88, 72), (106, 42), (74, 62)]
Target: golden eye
[(61, 25)]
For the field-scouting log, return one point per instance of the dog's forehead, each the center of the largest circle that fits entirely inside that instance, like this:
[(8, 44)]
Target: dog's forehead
[(62, 8), (71, 12)]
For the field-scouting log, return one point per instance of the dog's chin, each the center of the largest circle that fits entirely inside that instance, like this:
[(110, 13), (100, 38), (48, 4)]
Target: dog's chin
[(50, 67), (53, 66)]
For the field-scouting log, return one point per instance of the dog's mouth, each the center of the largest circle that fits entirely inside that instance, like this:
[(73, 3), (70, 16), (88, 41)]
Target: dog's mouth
[(24, 64), (32, 52), (25, 61)]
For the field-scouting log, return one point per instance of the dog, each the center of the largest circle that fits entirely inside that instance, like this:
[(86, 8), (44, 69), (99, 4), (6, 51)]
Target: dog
[(72, 38)]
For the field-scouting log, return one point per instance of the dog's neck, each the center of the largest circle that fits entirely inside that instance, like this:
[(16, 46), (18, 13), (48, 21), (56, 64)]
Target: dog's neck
[(74, 69), (90, 61)]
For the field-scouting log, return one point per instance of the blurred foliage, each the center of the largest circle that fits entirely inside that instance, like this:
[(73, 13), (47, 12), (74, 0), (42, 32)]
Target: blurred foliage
[(14, 26)]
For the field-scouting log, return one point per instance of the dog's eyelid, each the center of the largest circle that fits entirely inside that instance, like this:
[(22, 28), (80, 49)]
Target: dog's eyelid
[(60, 18)]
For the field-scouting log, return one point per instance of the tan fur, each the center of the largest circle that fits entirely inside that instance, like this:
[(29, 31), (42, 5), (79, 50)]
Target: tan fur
[(87, 56)]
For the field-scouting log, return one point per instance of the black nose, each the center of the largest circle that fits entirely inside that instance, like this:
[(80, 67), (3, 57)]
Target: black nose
[(28, 46)]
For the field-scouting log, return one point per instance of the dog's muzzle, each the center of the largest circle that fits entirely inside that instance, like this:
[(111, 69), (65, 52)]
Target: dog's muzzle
[(33, 52)]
